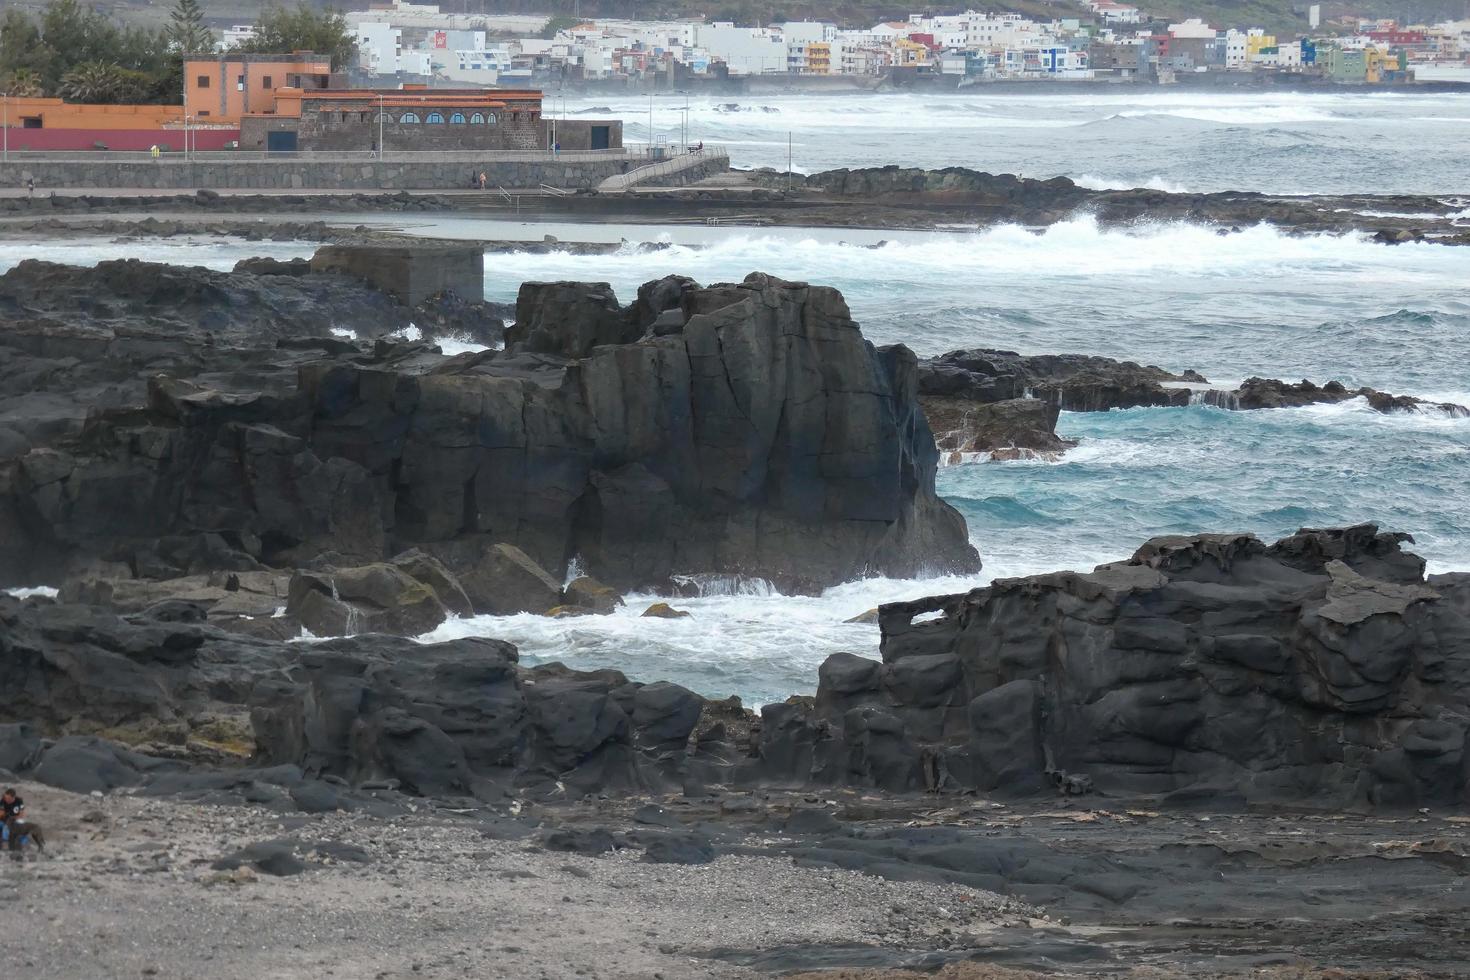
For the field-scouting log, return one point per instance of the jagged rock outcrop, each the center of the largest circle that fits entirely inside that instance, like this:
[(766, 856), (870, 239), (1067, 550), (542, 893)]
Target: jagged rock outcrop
[(948, 182), (977, 400), (743, 428), (1321, 668), (1073, 382), (452, 719), (261, 301), (1270, 393)]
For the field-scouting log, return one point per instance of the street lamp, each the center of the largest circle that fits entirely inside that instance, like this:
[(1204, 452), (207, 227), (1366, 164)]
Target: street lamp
[(7, 127), (382, 147)]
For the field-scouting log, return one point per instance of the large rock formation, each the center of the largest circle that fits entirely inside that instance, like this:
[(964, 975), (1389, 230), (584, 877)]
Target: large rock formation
[(743, 428), (450, 719), (1322, 668)]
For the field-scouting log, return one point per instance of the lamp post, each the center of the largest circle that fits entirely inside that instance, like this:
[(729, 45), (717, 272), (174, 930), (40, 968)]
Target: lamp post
[(7, 127), (382, 147)]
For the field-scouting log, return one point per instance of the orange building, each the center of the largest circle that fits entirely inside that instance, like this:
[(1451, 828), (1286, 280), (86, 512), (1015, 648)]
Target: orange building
[(51, 124), (229, 86), (411, 118)]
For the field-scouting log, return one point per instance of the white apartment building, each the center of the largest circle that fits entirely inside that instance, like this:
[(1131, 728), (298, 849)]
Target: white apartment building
[(1235, 49), (746, 50), (236, 36), (1193, 28), (379, 46)]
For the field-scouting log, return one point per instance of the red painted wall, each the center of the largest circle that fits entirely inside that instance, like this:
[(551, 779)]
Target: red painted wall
[(118, 139)]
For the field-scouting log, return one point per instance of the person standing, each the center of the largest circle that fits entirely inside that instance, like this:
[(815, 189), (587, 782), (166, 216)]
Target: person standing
[(30, 186)]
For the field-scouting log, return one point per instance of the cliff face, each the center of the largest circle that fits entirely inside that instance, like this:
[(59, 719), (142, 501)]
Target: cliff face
[(742, 428), (1321, 668)]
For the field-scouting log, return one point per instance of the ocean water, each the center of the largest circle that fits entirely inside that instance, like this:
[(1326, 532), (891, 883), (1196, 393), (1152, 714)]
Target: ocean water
[(1180, 296), (1106, 137)]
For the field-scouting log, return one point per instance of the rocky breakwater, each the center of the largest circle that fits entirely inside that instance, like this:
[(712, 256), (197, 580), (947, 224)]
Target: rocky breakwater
[(1323, 669), (1006, 405), (959, 193), (171, 705), (743, 428)]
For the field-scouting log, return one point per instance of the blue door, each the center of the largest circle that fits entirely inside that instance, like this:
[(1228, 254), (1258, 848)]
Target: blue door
[(282, 141)]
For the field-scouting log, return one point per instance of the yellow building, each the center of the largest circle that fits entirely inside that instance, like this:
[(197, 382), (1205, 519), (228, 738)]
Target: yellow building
[(909, 54), (1255, 42), (1376, 61), (819, 58)]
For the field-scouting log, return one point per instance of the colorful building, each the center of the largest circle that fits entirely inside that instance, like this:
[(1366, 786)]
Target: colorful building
[(418, 118), (51, 124), (229, 86)]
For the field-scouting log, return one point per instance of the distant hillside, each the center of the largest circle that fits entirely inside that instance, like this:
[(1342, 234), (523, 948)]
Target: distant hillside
[(1287, 17)]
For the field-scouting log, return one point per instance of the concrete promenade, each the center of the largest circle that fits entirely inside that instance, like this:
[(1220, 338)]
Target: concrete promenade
[(295, 173)]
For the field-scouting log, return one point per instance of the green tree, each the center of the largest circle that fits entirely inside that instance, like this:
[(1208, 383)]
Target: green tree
[(186, 31), (561, 22), (282, 30), (21, 47), (75, 36), (23, 83), (93, 81)]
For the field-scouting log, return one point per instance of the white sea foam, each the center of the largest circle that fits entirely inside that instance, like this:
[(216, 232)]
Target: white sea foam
[(26, 592), (1074, 248), (451, 346), (1155, 183), (1255, 115)]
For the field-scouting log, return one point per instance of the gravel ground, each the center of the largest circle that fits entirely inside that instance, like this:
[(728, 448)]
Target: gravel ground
[(129, 891)]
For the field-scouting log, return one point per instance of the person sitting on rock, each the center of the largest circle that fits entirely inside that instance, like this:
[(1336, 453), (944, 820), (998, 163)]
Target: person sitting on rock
[(12, 812), (16, 828)]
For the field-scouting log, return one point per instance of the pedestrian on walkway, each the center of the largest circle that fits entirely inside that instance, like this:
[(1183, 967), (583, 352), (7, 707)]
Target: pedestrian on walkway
[(31, 186)]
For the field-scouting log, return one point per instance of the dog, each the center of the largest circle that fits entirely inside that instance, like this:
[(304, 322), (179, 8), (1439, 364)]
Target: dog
[(19, 830)]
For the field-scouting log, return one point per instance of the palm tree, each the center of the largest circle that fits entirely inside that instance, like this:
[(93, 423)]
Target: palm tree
[(23, 83), (92, 81)]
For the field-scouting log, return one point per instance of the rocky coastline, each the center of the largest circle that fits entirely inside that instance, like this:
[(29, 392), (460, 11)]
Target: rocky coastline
[(1003, 405), (249, 517), (876, 197)]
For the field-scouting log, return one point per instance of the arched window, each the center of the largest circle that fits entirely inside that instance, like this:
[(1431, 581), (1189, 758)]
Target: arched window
[(490, 119), (458, 117), (434, 117), (476, 119), (383, 117), (409, 117)]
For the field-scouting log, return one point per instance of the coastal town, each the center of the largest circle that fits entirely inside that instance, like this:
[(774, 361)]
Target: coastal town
[(1107, 40)]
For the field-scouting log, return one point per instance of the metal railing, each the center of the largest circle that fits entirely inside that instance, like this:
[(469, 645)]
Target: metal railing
[(662, 168), (176, 157)]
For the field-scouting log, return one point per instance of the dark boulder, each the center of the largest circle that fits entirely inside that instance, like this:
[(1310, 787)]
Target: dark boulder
[(1321, 668)]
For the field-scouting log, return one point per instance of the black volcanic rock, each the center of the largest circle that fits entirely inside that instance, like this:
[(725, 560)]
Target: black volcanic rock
[(1270, 393), (754, 432), (1073, 382), (1322, 668)]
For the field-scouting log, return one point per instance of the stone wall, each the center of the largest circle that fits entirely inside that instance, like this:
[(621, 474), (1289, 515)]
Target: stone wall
[(360, 131), (364, 174), (411, 274), (576, 134)]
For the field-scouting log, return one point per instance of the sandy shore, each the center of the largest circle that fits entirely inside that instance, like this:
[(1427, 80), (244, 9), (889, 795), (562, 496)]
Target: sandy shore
[(129, 889)]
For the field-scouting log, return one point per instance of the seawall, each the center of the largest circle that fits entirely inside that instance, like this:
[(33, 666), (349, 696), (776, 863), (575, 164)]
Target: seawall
[(299, 174)]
